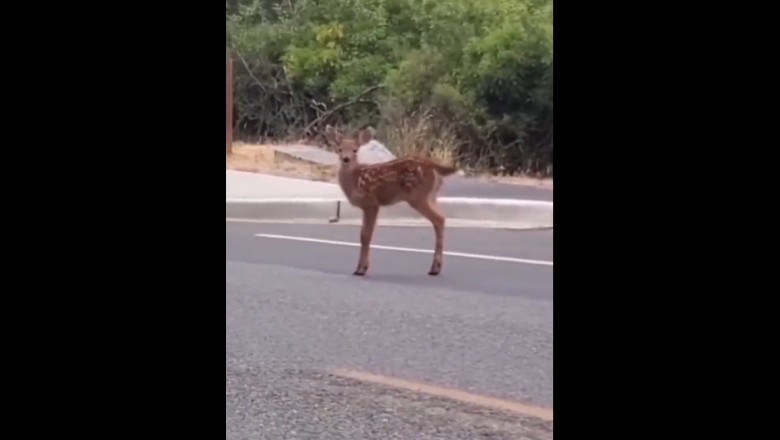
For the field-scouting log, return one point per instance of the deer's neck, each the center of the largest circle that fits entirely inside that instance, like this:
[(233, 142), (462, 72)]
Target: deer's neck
[(348, 180)]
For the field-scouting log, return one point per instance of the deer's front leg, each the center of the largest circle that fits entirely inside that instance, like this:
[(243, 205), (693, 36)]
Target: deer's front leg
[(366, 232)]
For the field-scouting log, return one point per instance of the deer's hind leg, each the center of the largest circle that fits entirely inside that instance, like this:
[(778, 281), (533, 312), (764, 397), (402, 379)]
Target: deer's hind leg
[(428, 209)]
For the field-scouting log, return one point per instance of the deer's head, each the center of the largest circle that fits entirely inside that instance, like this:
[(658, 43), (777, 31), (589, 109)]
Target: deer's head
[(347, 147)]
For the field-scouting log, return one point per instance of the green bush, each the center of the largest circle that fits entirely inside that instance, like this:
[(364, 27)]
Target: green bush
[(476, 74)]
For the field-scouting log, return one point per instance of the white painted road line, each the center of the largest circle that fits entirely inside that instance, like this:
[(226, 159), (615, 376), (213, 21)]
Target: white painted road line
[(404, 249)]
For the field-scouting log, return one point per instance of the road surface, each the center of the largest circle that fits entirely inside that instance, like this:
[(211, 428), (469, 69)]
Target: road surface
[(296, 320)]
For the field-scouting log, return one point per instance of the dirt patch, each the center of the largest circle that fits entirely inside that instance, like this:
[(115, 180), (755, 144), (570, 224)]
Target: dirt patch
[(520, 180), (263, 159)]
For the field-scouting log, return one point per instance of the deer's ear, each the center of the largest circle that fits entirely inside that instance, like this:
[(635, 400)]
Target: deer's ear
[(366, 135)]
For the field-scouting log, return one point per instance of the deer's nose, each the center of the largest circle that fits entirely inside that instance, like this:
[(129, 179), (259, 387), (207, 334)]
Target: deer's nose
[(345, 159)]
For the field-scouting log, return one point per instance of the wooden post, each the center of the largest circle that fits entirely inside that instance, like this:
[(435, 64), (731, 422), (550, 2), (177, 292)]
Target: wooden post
[(228, 103)]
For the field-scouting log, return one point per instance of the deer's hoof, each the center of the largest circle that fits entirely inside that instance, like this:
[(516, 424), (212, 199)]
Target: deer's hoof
[(360, 271)]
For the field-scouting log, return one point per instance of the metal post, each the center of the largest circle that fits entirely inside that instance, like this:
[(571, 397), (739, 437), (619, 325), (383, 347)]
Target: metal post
[(228, 103), (338, 213)]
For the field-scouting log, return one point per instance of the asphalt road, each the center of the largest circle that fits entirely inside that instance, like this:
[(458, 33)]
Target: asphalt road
[(456, 186), (294, 313)]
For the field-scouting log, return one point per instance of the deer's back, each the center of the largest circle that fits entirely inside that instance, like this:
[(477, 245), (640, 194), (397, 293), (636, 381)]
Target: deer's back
[(397, 180)]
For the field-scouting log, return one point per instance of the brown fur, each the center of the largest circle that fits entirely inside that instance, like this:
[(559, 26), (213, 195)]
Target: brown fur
[(414, 180)]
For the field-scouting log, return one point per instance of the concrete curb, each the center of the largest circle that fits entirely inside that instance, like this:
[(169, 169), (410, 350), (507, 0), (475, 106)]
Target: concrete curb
[(529, 213)]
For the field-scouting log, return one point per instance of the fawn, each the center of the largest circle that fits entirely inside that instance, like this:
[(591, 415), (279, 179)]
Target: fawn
[(413, 180)]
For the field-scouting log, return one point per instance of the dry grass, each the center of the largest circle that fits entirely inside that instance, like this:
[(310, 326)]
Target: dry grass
[(420, 136), (263, 159), (546, 183)]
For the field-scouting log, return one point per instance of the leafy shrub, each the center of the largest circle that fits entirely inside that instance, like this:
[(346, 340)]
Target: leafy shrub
[(466, 80)]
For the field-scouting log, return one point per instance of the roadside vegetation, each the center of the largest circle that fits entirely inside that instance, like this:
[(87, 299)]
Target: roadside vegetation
[(464, 81)]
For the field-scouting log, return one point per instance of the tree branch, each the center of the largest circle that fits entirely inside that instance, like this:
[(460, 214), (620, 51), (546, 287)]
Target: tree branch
[(357, 100)]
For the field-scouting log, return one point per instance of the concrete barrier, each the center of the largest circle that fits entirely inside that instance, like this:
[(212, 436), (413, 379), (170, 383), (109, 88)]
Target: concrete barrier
[(251, 196), (528, 213)]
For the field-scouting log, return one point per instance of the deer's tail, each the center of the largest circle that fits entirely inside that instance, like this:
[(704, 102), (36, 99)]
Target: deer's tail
[(444, 170)]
